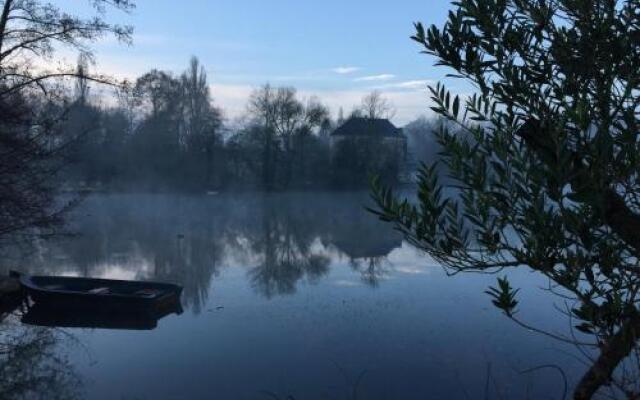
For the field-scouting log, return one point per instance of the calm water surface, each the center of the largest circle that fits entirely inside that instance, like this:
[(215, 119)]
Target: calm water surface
[(301, 295)]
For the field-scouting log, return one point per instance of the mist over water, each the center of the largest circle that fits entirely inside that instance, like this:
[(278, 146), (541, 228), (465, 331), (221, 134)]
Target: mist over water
[(303, 294), (183, 201)]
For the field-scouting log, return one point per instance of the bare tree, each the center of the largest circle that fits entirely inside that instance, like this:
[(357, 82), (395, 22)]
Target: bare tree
[(31, 31), (262, 110), (202, 121), (30, 145), (197, 98), (341, 118), (159, 92), (375, 106), (82, 83), (284, 118)]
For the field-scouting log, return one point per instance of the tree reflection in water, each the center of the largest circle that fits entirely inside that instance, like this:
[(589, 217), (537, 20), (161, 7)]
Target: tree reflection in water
[(372, 269), (284, 239), (32, 365), (284, 245)]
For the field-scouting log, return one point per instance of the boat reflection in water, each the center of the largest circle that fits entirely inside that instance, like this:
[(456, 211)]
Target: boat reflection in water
[(42, 315), (97, 303)]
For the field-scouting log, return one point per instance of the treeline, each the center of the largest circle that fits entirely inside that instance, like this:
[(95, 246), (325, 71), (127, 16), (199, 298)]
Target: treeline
[(166, 133), (163, 132)]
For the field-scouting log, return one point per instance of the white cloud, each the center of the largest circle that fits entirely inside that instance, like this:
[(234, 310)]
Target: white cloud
[(410, 270), (415, 85), (345, 70), (346, 283), (373, 78)]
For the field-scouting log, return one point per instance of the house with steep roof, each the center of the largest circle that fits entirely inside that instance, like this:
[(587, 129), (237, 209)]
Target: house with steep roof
[(370, 129), (364, 146)]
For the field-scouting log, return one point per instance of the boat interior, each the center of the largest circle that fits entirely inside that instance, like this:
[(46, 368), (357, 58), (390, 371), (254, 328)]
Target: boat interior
[(99, 287)]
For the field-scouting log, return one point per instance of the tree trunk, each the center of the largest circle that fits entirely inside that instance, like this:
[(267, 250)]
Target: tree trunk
[(612, 353), (267, 161), (3, 21)]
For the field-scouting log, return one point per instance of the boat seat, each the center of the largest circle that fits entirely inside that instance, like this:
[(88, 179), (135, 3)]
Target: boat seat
[(53, 287), (147, 293), (100, 290)]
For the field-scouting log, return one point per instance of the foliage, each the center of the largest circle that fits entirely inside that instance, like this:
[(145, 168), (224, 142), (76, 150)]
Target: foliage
[(549, 176), (504, 296)]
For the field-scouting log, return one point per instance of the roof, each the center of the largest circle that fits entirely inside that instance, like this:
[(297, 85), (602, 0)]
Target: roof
[(358, 126), (356, 248)]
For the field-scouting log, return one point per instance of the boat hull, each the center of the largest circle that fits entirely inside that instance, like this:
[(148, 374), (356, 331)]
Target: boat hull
[(117, 296)]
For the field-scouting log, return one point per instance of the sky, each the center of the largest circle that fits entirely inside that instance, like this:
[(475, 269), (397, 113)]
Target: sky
[(335, 50)]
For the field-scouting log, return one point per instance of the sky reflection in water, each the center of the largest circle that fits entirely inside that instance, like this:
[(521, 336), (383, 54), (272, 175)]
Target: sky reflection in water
[(292, 294)]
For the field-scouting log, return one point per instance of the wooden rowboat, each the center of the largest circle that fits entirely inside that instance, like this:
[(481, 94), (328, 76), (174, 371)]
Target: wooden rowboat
[(106, 295)]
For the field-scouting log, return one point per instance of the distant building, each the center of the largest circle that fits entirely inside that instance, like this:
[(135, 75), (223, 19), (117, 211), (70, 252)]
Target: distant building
[(361, 147), (363, 130)]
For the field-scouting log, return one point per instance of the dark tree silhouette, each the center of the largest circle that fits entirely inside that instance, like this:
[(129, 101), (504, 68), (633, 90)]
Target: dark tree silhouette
[(550, 177), (30, 143), (285, 125), (33, 367)]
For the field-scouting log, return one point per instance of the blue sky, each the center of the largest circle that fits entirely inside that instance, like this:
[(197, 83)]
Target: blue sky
[(336, 50)]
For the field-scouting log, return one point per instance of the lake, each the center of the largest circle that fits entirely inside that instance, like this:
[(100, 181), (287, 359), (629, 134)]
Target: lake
[(286, 296)]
